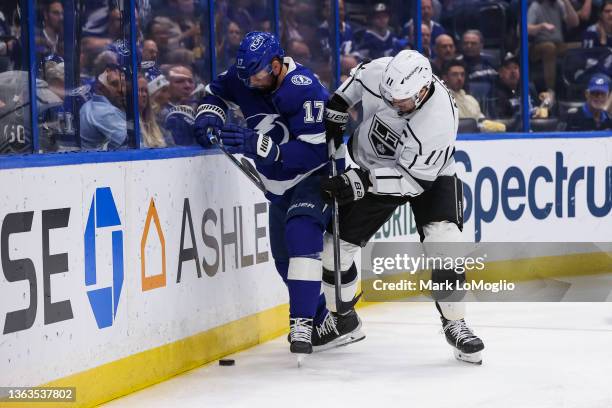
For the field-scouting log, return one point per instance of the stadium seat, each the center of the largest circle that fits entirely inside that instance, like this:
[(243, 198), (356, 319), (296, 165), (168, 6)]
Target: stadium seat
[(468, 125), (565, 106), (544, 125), (492, 23)]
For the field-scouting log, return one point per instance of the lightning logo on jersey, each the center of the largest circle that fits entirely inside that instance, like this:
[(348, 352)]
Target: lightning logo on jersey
[(271, 125)]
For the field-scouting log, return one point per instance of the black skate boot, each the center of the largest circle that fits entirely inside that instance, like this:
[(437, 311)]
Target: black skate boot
[(337, 330), (300, 337), (466, 345)]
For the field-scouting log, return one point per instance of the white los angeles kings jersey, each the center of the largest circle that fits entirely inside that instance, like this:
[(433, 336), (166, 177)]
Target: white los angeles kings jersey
[(403, 155)]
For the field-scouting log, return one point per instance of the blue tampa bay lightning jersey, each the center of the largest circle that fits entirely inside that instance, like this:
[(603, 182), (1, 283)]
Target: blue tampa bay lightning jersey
[(292, 115)]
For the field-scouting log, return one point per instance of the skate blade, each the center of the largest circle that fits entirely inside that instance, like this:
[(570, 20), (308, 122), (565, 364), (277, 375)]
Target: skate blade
[(473, 358), (345, 340), (300, 359)]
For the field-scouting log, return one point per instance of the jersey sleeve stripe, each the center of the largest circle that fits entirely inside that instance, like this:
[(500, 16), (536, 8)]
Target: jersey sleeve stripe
[(415, 138), (437, 158), (313, 138), (413, 161), (430, 157)]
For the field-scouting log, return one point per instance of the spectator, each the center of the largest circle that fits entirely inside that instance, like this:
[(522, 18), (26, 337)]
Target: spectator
[(9, 45), (178, 114), (58, 122), (299, 50), (180, 56), (454, 77), (239, 12), (426, 40), (158, 89), (445, 51), (289, 24), (54, 75), (166, 34), (16, 134), (104, 59), (115, 21), (479, 66), (150, 133), (586, 18), (377, 40), (49, 39), (186, 15), (181, 84), (600, 33), (229, 45), (325, 37), (506, 93), (545, 20), (150, 52), (435, 28), (592, 115), (102, 118), (91, 47)]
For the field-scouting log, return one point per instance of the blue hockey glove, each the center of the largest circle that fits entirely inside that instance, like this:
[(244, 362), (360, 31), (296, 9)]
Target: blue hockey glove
[(250, 143), (208, 116)]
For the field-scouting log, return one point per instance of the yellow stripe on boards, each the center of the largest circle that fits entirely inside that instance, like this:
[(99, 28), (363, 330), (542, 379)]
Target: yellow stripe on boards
[(127, 375)]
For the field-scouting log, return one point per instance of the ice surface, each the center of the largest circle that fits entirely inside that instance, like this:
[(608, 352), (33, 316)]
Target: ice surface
[(540, 355)]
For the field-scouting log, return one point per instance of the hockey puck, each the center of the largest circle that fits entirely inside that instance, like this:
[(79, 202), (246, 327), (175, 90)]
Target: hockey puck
[(226, 362)]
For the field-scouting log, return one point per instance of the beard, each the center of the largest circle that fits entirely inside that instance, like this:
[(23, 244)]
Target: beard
[(269, 88)]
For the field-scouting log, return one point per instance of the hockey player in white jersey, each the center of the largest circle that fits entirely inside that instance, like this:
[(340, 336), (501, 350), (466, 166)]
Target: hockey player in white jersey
[(404, 147)]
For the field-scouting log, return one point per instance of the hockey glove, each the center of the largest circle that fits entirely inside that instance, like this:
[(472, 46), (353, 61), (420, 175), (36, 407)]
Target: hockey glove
[(349, 186), (335, 125), (208, 116), (250, 143)]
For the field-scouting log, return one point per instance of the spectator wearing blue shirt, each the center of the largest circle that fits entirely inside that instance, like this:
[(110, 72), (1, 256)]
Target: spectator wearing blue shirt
[(600, 33), (479, 66), (178, 114), (592, 115), (102, 118), (378, 41), (435, 28), (324, 34)]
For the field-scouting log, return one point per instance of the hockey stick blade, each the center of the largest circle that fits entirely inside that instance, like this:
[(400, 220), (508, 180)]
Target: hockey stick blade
[(244, 166)]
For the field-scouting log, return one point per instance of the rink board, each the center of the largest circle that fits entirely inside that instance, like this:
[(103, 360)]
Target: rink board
[(100, 287)]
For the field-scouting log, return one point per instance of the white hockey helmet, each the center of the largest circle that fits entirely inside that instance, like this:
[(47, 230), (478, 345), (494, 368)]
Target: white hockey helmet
[(406, 74)]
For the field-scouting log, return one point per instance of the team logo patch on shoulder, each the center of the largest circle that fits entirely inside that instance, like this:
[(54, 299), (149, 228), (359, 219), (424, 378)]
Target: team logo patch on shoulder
[(257, 42), (383, 139), (301, 80)]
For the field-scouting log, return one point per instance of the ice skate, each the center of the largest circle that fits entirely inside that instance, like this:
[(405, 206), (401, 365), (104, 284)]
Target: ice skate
[(300, 337), (337, 330), (466, 345)]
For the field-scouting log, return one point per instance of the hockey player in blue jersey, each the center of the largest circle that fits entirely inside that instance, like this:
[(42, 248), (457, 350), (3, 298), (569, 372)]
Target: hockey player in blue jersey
[(283, 104)]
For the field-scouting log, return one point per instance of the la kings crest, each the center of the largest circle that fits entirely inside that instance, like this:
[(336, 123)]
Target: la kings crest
[(383, 139)]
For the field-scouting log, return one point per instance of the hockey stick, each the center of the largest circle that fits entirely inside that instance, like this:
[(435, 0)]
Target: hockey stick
[(244, 165), (341, 306)]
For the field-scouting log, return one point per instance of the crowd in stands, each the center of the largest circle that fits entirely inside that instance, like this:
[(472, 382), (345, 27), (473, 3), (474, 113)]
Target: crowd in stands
[(473, 46)]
